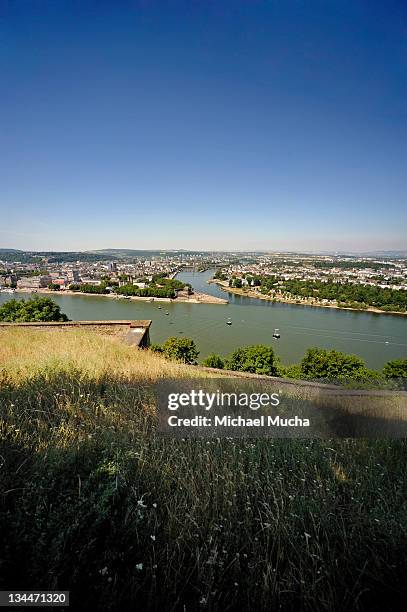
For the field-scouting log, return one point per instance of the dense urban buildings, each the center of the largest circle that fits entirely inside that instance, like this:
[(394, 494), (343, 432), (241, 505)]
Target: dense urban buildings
[(22, 269)]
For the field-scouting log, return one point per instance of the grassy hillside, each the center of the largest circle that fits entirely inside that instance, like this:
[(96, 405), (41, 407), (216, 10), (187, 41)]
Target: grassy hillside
[(93, 501)]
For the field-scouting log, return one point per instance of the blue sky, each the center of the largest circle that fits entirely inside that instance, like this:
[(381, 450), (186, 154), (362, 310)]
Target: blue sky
[(275, 124)]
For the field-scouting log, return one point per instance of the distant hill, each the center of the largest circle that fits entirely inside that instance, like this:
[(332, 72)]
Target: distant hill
[(142, 252), (91, 255), (28, 256)]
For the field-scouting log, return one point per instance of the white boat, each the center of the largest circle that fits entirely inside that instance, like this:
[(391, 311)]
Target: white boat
[(229, 321), (276, 333)]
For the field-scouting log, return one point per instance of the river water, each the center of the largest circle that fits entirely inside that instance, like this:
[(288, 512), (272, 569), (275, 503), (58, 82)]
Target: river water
[(376, 338)]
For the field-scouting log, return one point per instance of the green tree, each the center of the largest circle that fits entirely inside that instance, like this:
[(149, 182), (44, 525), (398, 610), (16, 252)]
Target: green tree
[(181, 349), (397, 368), (54, 287), (214, 361), (34, 309), (258, 359), (320, 363), (173, 283), (219, 275)]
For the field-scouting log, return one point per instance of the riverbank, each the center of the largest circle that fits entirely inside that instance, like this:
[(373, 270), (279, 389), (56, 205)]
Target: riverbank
[(375, 339), (297, 302), (196, 298)]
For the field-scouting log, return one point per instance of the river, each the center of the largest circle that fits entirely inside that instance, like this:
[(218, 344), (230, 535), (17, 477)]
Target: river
[(376, 338)]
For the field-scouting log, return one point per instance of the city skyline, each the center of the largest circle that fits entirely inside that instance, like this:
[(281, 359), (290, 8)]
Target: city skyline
[(244, 126)]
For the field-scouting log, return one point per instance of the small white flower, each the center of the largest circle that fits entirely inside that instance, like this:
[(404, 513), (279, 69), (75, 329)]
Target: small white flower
[(153, 537), (139, 567), (154, 505)]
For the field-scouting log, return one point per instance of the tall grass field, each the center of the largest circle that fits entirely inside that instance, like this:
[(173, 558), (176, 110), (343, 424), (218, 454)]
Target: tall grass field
[(93, 500)]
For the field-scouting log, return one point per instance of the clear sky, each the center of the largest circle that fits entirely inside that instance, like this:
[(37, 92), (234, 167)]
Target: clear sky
[(214, 124)]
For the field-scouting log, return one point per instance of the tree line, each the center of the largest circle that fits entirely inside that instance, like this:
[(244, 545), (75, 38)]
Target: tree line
[(317, 363), (151, 291), (349, 294), (346, 295)]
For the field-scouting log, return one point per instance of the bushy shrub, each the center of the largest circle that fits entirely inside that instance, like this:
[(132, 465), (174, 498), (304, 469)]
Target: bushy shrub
[(258, 359), (214, 361), (397, 368), (291, 371), (156, 348), (320, 363), (181, 349)]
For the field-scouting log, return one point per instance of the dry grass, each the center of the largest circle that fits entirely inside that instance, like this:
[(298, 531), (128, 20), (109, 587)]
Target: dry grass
[(27, 352), (93, 501)]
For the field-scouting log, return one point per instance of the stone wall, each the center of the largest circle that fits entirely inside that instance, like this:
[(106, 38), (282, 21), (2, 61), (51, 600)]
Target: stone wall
[(135, 333)]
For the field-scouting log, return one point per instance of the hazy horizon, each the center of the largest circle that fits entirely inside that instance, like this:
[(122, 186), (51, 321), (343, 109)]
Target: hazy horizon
[(182, 249)]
